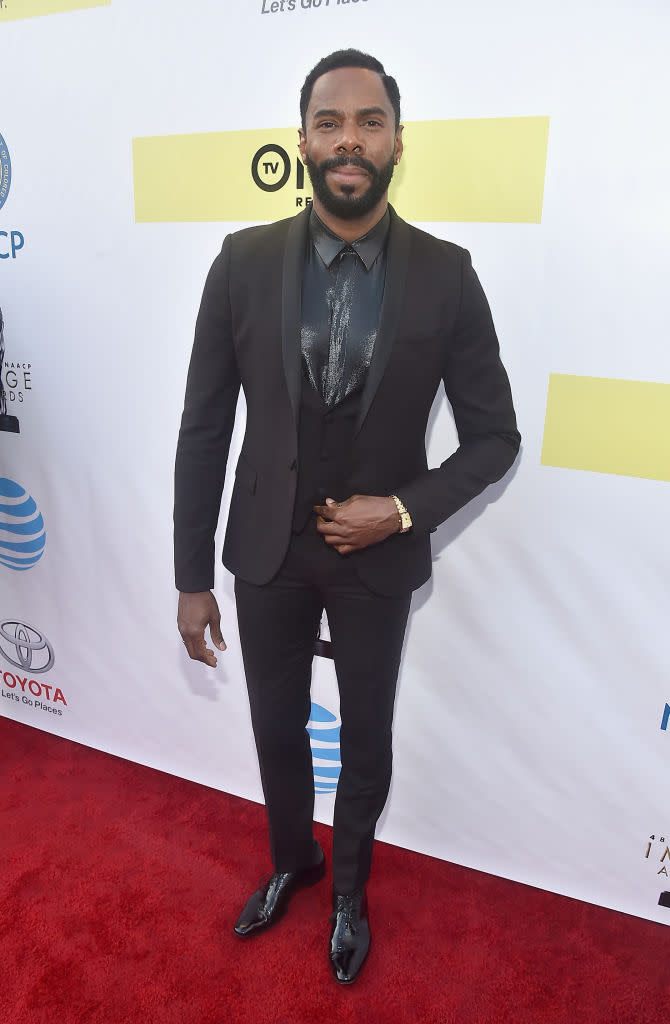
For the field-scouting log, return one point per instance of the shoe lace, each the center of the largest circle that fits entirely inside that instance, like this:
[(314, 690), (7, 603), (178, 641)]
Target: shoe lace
[(347, 907), (267, 881)]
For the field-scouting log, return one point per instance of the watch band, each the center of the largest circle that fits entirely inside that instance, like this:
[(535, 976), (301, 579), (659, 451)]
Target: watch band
[(403, 515)]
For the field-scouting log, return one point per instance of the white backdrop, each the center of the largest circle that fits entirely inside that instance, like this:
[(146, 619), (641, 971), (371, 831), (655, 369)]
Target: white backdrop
[(529, 724)]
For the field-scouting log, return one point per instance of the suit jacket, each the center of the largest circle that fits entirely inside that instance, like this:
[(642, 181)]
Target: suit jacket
[(435, 326)]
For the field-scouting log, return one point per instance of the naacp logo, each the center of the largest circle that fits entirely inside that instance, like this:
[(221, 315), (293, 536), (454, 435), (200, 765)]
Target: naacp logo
[(14, 239), (5, 172), (25, 647)]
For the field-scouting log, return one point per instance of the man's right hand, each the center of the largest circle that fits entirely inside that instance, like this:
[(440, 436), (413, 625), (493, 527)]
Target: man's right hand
[(195, 612)]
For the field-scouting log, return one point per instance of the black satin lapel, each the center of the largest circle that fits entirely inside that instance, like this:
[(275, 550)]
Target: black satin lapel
[(292, 271), (394, 292)]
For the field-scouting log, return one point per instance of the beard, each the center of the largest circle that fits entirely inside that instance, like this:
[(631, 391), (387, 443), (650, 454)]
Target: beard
[(345, 204)]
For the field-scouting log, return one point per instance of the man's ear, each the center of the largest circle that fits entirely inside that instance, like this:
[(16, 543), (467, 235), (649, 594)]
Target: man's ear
[(398, 147), (302, 142)]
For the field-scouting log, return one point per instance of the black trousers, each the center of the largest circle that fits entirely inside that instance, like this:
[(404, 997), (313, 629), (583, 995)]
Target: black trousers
[(278, 623)]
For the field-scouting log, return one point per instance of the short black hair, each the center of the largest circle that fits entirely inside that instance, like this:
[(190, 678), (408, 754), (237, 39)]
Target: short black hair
[(349, 59)]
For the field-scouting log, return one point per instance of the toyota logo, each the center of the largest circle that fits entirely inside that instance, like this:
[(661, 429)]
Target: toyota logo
[(25, 647)]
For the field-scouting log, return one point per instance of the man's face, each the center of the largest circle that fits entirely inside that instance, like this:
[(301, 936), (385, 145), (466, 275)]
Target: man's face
[(350, 144)]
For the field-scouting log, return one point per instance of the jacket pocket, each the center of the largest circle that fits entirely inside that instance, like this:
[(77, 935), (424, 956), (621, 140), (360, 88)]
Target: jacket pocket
[(246, 475)]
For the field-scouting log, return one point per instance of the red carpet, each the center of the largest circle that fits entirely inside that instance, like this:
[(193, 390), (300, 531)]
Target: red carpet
[(119, 886)]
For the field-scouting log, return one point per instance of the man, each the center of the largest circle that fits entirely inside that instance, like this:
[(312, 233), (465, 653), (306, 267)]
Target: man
[(339, 324)]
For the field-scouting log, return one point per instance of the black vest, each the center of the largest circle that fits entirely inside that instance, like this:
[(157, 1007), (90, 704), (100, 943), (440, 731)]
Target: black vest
[(325, 437)]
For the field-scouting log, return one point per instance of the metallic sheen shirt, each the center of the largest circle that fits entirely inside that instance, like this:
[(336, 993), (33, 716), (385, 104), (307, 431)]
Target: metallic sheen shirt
[(342, 291)]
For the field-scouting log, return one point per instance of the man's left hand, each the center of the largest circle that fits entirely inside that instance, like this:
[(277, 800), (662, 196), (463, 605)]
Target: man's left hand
[(356, 523)]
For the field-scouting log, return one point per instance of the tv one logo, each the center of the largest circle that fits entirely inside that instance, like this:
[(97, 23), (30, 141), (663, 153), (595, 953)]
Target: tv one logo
[(271, 169)]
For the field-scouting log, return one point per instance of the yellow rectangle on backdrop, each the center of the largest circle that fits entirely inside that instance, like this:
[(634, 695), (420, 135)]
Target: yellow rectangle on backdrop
[(608, 425), (12, 10), (475, 169), (482, 169)]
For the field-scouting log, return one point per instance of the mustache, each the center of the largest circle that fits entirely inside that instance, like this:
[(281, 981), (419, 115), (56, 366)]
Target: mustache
[(345, 161)]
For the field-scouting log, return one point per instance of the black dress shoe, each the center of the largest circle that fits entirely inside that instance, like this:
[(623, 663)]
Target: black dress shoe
[(268, 904), (349, 938)]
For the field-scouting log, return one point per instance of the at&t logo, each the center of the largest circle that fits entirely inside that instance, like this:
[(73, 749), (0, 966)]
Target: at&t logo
[(22, 533), (324, 735)]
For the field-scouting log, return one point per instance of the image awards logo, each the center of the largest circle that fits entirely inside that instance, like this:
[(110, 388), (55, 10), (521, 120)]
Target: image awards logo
[(657, 854), (22, 534), (7, 422), (324, 736)]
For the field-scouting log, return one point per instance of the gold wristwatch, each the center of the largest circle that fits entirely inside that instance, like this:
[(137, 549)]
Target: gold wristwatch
[(403, 515)]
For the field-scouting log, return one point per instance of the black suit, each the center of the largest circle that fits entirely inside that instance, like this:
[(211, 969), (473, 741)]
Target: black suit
[(435, 325)]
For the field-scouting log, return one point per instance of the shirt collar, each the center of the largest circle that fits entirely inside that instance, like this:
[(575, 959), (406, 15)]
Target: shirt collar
[(329, 245)]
